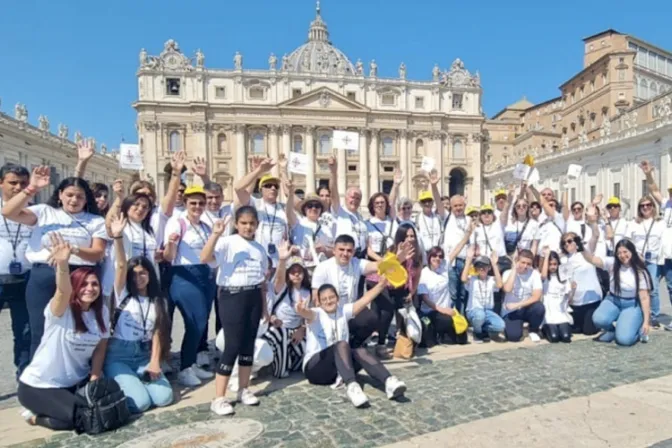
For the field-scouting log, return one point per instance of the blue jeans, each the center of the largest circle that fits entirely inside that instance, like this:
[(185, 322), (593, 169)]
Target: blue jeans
[(485, 321), (192, 292), (666, 271), (457, 290), (627, 314), (123, 361), (14, 295), (655, 272)]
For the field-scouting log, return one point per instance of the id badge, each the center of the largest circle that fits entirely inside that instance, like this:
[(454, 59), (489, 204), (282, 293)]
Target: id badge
[(271, 249), (648, 256), (15, 268)]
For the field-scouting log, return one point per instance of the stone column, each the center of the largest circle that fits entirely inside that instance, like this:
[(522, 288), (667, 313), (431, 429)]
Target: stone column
[(310, 151), (341, 158), (241, 154), (473, 156), (273, 147), (363, 166), (374, 165), (404, 166), (286, 140)]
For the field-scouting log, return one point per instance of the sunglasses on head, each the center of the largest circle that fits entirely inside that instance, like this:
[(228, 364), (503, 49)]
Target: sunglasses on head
[(269, 186)]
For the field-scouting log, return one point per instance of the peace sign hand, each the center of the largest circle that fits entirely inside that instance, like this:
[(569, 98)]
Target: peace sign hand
[(301, 307)]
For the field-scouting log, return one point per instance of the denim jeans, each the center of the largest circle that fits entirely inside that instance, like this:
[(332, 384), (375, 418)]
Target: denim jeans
[(457, 290), (14, 295), (123, 361), (627, 314), (655, 272), (485, 321), (192, 292), (666, 272)]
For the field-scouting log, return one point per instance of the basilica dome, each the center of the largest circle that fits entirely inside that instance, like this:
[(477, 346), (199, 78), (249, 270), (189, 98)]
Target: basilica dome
[(318, 55)]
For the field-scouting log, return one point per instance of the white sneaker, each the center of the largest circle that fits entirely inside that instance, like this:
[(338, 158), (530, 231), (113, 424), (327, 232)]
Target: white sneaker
[(202, 374), (188, 378), (27, 415), (246, 397), (534, 337), (356, 394), (394, 387), (221, 406), (203, 359)]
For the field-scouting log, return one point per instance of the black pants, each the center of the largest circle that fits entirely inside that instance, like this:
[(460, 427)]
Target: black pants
[(385, 307), (14, 295), (53, 408), (362, 327), (533, 315), (340, 359), (557, 332), (203, 347), (239, 315), (443, 326), (583, 318)]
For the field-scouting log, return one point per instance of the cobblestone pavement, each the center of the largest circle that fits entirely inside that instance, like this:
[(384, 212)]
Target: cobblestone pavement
[(441, 394)]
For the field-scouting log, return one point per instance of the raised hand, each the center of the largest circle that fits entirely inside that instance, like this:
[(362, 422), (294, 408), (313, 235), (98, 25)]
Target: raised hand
[(177, 162), (405, 251), (60, 250), (301, 306), (646, 167), (591, 214), (434, 177), (284, 250), (333, 166), (85, 150), (117, 226), (282, 162), (597, 199), (219, 226), (471, 251), (289, 185), (546, 251), (118, 188), (267, 164), (199, 167), (494, 258), (398, 177), (40, 177), (256, 162)]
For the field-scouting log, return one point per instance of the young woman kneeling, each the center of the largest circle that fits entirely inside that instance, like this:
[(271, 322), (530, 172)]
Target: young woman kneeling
[(328, 354)]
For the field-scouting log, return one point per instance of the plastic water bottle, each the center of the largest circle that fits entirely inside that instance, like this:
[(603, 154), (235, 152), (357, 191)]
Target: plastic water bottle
[(644, 338)]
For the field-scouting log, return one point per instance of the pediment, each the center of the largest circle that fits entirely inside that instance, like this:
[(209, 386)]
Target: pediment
[(323, 99)]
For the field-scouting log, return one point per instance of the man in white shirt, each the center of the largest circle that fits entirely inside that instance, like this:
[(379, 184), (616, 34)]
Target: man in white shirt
[(430, 221), (14, 268), (348, 219), (453, 233), (522, 300), (616, 225), (501, 197)]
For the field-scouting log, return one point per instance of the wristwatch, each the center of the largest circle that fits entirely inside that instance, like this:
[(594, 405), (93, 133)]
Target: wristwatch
[(74, 249)]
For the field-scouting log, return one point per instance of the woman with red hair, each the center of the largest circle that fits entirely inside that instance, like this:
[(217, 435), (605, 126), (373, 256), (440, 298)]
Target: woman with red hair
[(73, 346)]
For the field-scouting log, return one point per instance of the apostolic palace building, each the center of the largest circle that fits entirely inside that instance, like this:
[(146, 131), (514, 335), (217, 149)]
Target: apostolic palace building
[(229, 115)]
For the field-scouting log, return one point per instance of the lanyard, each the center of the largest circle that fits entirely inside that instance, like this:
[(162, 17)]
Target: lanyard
[(144, 242), (79, 223), (430, 230), (334, 328), (144, 316), (487, 240), (204, 239), (14, 243), (383, 240), (356, 228), (271, 222), (463, 226), (646, 240), (316, 231), (342, 277)]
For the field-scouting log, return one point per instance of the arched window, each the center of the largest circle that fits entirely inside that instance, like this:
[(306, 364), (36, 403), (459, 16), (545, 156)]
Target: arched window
[(298, 144), (419, 147), (258, 143), (458, 149), (388, 147), (653, 88), (644, 89), (221, 143), (325, 144), (174, 142)]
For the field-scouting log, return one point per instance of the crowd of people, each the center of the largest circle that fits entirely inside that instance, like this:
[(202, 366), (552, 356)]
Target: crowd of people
[(92, 281)]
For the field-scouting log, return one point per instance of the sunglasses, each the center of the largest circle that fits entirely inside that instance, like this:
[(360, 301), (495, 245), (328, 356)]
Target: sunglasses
[(407, 208), (269, 186), (522, 206), (198, 203), (647, 205), (609, 207), (180, 191), (427, 202), (314, 205), (566, 242), (487, 212), (438, 256), (577, 209)]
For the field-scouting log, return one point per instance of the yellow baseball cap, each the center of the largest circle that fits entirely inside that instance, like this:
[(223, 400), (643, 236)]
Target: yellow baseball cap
[(194, 189), (267, 178), (614, 201), (471, 209), (501, 192), (487, 208), (425, 196)]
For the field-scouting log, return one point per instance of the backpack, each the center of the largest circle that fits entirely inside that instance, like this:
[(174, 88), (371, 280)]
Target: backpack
[(105, 409)]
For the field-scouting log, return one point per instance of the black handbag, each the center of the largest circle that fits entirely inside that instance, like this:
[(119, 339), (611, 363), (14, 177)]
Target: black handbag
[(105, 409)]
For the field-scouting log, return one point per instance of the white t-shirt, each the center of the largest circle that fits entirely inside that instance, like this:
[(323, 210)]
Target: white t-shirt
[(637, 232), (285, 310), (454, 233), (588, 289), (272, 227), (434, 284), (78, 229), (328, 221), (63, 357), (326, 330), (555, 300), (530, 233), (352, 224), (158, 223), (137, 320), (626, 279), (306, 234), (550, 232), (620, 228), (380, 230), (192, 239), (666, 249), (429, 230), (523, 287), (481, 293), (344, 279), (580, 228), (489, 238), (13, 234), (241, 262), (210, 218)]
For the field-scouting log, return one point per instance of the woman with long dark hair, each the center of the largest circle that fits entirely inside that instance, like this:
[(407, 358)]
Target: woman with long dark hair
[(77, 325), (101, 192), (286, 332), (140, 338), (72, 212), (628, 304)]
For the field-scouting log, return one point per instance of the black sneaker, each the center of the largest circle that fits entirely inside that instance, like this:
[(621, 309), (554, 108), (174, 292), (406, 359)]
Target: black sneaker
[(481, 338), (655, 324)]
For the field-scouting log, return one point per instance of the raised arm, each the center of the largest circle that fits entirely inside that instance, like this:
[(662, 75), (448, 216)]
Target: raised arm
[(176, 165), (463, 242), (494, 258), (651, 184), (15, 209), (84, 154), (242, 185), (394, 193), (591, 217), (369, 297), (464, 278), (504, 215), (333, 184), (115, 207), (291, 212), (434, 180), (117, 234), (405, 251), (511, 280), (544, 266), (208, 252), (200, 168), (284, 252), (59, 257)]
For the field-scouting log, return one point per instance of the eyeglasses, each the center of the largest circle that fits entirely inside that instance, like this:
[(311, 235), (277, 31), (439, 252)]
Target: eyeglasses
[(269, 186), (609, 207), (646, 205), (198, 203), (486, 212), (521, 205), (180, 191), (577, 209), (426, 203), (407, 208)]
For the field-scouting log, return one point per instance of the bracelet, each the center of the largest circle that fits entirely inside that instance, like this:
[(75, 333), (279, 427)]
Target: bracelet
[(30, 190)]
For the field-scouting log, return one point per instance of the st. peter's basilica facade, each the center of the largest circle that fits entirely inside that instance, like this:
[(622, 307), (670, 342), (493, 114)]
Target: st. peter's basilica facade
[(229, 116)]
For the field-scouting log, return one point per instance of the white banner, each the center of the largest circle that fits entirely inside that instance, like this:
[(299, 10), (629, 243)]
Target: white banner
[(297, 163), (574, 171), (427, 164), (130, 157), (346, 140)]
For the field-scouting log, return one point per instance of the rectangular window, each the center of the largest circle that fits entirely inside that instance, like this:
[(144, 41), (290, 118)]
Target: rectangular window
[(387, 99), (256, 93), (617, 189), (457, 101), (419, 102), (296, 92), (220, 92), (352, 167), (572, 195), (387, 186), (593, 192), (388, 169), (352, 96), (173, 86)]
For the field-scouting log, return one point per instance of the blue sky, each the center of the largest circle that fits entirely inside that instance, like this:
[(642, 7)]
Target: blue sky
[(75, 60)]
